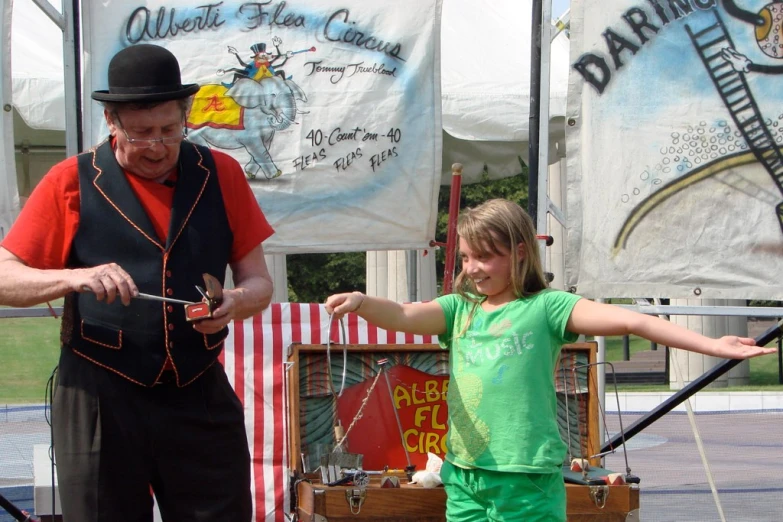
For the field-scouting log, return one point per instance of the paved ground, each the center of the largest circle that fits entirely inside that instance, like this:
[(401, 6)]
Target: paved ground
[(744, 451)]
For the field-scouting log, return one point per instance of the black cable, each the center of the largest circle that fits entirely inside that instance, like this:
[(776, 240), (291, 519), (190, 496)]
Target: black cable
[(48, 401)]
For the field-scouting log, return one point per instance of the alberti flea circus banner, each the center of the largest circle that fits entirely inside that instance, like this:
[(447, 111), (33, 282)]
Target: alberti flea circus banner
[(332, 107), (674, 128)]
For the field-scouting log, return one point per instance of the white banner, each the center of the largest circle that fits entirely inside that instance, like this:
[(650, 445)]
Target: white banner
[(9, 194), (674, 168), (332, 107)]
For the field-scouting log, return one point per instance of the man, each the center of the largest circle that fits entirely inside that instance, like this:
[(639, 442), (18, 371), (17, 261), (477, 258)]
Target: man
[(141, 400)]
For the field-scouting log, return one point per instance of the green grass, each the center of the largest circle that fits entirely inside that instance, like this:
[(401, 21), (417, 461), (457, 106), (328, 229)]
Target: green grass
[(763, 370), (29, 349)]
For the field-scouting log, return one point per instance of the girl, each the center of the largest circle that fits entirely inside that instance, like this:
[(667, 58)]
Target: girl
[(504, 328)]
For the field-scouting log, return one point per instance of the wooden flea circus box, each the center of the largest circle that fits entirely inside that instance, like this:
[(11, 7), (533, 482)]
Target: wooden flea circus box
[(362, 418)]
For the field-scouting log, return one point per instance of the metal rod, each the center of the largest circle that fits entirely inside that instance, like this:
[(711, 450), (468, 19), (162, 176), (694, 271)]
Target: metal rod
[(397, 416), (150, 297), (535, 110), (451, 233)]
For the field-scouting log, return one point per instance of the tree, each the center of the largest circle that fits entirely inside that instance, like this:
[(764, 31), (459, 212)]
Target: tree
[(314, 277)]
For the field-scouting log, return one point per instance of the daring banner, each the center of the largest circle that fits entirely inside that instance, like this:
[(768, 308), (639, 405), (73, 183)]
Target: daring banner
[(332, 107), (675, 173)]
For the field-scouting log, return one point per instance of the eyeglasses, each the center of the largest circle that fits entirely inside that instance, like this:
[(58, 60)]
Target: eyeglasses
[(146, 143)]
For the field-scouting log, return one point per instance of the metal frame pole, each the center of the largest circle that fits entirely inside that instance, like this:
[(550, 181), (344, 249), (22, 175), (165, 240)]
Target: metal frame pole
[(451, 234)]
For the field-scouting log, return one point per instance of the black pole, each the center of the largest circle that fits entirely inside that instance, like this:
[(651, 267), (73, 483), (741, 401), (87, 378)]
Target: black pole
[(780, 360), (626, 348), (535, 109), (685, 393), (76, 28), (14, 511)]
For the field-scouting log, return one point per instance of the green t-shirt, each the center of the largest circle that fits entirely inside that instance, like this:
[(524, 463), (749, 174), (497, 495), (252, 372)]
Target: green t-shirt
[(501, 398)]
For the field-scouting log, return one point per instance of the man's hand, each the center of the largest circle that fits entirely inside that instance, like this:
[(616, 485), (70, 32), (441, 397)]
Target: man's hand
[(106, 282)]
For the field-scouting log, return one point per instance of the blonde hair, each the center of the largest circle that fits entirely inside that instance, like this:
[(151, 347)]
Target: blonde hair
[(494, 227)]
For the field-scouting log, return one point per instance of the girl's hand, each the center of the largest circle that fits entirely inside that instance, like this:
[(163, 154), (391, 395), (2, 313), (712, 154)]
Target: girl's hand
[(733, 347), (341, 304)]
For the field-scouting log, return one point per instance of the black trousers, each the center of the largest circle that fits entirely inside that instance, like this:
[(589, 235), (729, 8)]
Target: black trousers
[(114, 440)]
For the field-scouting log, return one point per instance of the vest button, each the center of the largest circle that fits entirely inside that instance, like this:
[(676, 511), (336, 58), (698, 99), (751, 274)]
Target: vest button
[(171, 326), (168, 273), (169, 308), (171, 344), (169, 291)]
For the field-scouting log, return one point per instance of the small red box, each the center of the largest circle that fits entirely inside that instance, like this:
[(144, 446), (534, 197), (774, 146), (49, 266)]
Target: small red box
[(197, 311)]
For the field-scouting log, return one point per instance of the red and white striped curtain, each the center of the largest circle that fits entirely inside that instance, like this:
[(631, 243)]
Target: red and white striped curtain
[(254, 358)]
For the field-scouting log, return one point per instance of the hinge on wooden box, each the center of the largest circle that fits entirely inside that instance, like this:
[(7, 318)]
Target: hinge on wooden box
[(599, 494), (355, 498)]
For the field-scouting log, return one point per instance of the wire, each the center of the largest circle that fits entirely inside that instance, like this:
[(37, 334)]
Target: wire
[(48, 401)]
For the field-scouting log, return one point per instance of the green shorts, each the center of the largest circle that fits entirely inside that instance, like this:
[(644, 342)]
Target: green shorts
[(480, 495)]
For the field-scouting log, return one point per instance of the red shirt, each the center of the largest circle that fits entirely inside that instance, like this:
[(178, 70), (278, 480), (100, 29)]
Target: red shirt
[(42, 235)]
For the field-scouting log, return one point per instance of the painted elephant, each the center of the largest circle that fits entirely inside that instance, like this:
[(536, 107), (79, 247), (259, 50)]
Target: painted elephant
[(246, 115)]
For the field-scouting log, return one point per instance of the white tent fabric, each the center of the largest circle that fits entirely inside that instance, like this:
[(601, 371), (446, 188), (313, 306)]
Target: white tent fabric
[(485, 87), (486, 70), (9, 195), (37, 66)]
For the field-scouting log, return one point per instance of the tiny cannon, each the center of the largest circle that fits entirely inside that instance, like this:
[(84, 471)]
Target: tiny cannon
[(357, 477), (213, 296)]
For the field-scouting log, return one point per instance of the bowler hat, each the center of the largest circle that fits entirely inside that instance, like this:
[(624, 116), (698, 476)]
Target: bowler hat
[(144, 73)]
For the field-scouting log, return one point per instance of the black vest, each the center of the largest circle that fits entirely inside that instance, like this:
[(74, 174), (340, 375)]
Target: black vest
[(134, 341)]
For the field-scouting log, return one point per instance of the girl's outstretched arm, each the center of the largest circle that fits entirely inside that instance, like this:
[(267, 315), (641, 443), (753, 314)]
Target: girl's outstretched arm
[(591, 318), (415, 318)]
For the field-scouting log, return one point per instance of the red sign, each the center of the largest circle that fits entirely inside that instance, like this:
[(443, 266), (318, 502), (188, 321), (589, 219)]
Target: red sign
[(417, 399)]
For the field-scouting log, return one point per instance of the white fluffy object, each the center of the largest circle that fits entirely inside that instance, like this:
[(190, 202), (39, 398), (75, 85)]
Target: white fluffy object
[(427, 479), (430, 477), (434, 463)]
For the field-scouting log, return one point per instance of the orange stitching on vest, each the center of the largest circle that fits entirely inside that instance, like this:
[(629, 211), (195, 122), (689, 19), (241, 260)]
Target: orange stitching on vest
[(109, 368), (199, 375), (208, 347), (95, 184), (81, 328)]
